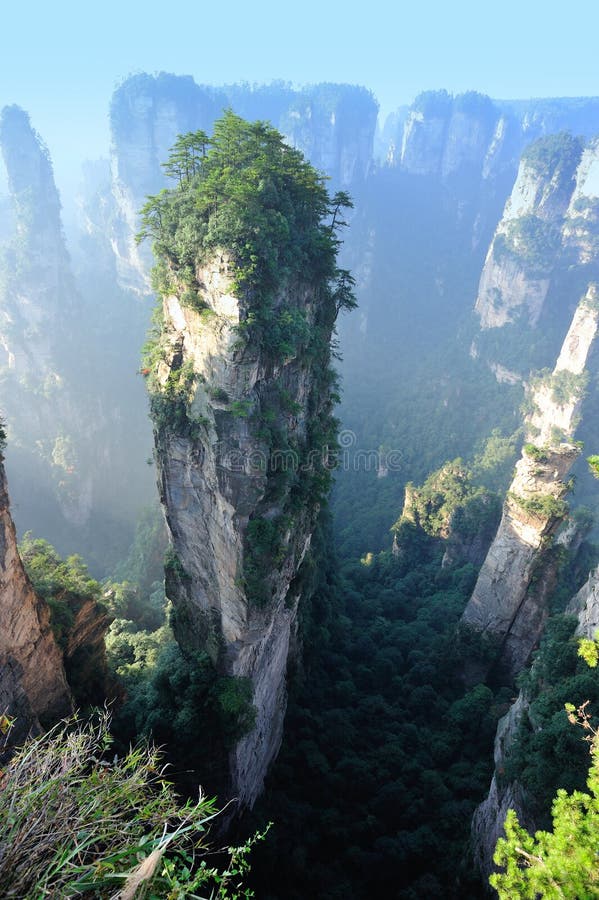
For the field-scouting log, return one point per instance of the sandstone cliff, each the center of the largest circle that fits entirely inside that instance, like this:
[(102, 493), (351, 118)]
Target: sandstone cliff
[(441, 134), (524, 251), (445, 136), (506, 793), (509, 602), (238, 534), (240, 383), (69, 353), (33, 686)]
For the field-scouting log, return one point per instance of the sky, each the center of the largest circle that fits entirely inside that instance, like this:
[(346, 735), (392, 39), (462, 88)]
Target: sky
[(61, 60)]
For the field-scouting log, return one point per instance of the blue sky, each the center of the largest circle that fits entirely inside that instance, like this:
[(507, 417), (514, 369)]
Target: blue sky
[(61, 60)]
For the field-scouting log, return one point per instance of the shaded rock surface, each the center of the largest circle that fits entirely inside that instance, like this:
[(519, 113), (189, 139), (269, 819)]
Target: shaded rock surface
[(217, 481), (33, 685)]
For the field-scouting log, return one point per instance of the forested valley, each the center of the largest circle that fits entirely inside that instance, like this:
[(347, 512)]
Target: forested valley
[(301, 440)]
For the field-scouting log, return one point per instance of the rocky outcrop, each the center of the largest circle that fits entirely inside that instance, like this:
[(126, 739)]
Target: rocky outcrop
[(30, 302), (69, 352), (509, 602), (33, 685), (238, 527), (582, 217), (506, 793), (585, 606), (441, 134), (444, 135), (146, 115), (84, 653), (471, 530), (488, 819), (449, 507), (38, 304), (524, 252)]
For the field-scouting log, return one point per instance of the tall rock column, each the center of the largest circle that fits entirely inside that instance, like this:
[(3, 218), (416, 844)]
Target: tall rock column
[(509, 601), (241, 385)]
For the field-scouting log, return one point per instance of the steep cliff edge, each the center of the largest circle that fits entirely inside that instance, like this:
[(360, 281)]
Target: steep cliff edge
[(523, 253), (241, 401), (530, 714), (509, 601), (33, 685)]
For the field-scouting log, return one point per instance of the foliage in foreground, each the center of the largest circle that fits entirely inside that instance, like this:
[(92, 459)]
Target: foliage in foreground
[(73, 824), (560, 864), (554, 864)]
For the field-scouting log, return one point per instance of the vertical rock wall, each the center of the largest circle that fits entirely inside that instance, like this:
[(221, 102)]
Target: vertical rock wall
[(221, 480), (509, 601), (33, 686)]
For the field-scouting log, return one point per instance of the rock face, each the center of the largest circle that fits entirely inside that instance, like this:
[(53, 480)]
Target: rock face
[(451, 508), (38, 304), (33, 685), (582, 217), (238, 535), (488, 820), (444, 135), (34, 300), (69, 351), (585, 605), (509, 601), (146, 116), (523, 253), (441, 135)]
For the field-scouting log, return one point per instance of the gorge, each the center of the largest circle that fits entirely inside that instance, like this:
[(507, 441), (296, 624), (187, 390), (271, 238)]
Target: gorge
[(348, 676)]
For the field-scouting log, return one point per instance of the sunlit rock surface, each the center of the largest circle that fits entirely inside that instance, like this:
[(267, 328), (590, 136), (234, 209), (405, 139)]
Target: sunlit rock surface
[(212, 484), (508, 604)]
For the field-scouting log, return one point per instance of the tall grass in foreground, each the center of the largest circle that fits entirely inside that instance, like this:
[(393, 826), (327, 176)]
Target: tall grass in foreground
[(74, 824)]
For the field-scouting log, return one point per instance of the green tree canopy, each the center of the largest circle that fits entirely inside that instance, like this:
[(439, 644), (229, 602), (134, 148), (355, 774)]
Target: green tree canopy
[(246, 191)]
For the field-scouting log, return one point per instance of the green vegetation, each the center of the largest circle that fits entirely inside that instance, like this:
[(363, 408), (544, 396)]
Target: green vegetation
[(539, 454), (245, 191), (76, 820), (531, 241), (379, 720), (433, 103), (543, 506), (555, 153), (593, 462), (547, 753), (264, 551), (446, 498), (561, 863), (566, 386), (431, 505), (181, 702), (64, 584)]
